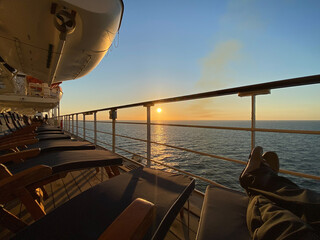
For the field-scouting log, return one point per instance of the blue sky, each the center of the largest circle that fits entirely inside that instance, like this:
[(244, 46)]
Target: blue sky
[(170, 48)]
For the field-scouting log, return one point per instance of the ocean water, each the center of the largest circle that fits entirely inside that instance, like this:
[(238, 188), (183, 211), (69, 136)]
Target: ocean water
[(297, 152)]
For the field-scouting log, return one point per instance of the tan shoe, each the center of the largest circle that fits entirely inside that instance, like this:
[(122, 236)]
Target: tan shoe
[(254, 161)]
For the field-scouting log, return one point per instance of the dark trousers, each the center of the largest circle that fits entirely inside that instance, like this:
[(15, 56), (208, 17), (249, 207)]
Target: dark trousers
[(279, 209)]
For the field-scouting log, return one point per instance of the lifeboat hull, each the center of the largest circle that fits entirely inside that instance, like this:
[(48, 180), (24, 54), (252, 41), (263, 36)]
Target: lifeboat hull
[(31, 42)]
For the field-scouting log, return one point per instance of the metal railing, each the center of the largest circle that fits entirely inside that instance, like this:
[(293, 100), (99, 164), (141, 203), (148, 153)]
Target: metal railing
[(251, 91)]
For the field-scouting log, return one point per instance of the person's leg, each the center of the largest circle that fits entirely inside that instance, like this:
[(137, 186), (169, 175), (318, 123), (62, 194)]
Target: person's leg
[(259, 175), (266, 220), (262, 180)]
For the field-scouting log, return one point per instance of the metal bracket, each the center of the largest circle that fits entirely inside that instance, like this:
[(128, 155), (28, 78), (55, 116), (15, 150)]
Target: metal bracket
[(149, 104), (88, 113), (113, 114), (254, 93)]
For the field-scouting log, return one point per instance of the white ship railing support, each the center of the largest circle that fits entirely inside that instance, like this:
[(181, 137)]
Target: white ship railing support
[(148, 106), (72, 116), (253, 95), (84, 126), (95, 127), (113, 117), (253, 121), (77, 125)]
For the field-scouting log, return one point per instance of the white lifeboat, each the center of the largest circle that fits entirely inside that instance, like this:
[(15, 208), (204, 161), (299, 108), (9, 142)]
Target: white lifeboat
[(57, 41)]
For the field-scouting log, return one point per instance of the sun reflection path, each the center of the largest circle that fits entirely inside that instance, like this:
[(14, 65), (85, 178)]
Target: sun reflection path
[(159, 152)]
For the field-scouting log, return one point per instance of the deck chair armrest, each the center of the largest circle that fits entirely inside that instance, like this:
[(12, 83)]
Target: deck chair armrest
[(16, 156), (13, 183), (14, 144), (133, 222)]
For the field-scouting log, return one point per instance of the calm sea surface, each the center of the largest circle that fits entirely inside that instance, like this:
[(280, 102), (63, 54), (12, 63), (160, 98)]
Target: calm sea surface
[(297, 152)]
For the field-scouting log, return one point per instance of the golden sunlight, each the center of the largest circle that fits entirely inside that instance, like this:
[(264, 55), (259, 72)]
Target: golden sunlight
[(159, 110)]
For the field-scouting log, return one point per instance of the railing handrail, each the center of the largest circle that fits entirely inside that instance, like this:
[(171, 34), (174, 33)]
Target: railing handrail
[(293, 82)]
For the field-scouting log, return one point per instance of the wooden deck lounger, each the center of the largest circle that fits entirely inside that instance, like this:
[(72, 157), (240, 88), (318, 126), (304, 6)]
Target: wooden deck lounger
[(223, 215), (11, 132), (60, 162), (46, 127), (20, 123), (135, 220), (49, 145), (62, 144), (89, 214), (63, 161), (16, 125)]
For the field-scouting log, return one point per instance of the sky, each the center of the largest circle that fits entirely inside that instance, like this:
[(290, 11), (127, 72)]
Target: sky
[(180, 47)]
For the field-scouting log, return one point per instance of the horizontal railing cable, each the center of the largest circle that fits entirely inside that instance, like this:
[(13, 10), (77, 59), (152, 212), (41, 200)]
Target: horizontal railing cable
[(226, 128)]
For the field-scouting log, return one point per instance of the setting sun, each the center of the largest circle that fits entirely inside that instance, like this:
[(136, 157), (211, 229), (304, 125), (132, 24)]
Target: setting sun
[(159, 110)]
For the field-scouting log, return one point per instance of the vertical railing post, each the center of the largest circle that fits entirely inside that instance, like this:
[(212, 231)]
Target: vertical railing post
[(253, 121), (95, 127), (72, 124), (148, 106), (113, 116), (77, 125), (63, 122), (253, 111), (84, 126), (69, 125)]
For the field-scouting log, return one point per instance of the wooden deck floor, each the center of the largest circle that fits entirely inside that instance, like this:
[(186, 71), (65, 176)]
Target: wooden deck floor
[(76, 182)]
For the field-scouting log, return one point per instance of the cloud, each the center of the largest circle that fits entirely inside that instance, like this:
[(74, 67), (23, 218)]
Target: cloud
[(217, 64), (215, 74)]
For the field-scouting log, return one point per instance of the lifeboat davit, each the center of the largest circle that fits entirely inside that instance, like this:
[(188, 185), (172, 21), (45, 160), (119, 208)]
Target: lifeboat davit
[(55, 41)]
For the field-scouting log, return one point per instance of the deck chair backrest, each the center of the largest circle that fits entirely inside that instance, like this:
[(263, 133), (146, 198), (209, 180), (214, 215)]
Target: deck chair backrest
[(20, 120), (9, 124), (26, 120), (13, 120), (3, 125)]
